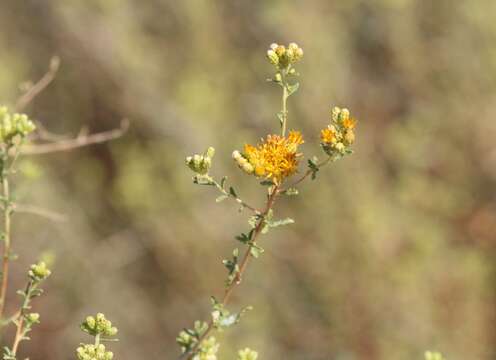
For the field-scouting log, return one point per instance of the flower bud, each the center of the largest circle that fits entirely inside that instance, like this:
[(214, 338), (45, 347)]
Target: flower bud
[(33, 318), (344, 115), (339, 147), (272, 56), (280, 50), (210, 152), (39, 272), (299, 53), (335, 113), (349, 137)]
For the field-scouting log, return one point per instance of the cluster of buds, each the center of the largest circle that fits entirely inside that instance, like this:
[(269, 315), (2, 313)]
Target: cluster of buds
[(201, 164), (39, 272), (247, 354), (339, 134), (12, 125), (242, 162), (430, 355), (93, 352), (282, 56), (208, 349), (98, 325)]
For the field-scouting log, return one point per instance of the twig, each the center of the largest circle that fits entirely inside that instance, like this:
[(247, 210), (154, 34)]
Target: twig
[(307, 173), (231, 195), (37, 88), (36, 210), (80, 141)]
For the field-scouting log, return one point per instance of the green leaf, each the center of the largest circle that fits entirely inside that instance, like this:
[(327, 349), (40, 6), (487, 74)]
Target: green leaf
[(267, 183), (223, 181), (202, 180), (290, 192), (232, 192), (281, 222), (280, 116), (253, 220), (256, 251), (243, 238), (293, 88), (313, 166), (221, 198)]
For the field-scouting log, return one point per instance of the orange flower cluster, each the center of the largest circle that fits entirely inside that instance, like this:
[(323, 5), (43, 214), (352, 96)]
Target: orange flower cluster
[(275, 158), (338, 135)]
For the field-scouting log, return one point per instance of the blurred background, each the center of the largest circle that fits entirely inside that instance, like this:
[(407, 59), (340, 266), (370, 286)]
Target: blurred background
[(393, 248)]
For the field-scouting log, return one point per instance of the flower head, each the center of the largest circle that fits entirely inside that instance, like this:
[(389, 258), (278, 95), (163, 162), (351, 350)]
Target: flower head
[(339, 134), (282, 56), (247, 354), (274, 158)]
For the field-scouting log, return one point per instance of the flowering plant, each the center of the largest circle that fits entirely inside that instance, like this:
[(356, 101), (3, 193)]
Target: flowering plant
[(274, 161)]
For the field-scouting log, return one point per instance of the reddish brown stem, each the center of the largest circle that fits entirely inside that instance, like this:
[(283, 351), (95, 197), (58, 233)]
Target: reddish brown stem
[(242, 268)]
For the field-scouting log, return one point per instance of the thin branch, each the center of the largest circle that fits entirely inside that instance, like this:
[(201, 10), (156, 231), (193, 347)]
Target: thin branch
[(81, 140), (233, 196), (38, 87), (308, 173), (36, 210)]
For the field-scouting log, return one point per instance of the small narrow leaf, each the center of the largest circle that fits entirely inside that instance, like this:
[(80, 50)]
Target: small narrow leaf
[(293, 88), (221, 198)]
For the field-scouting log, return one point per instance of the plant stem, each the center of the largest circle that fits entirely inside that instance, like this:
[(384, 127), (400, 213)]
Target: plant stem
[(234, 197), (6, 233), (284, 111), (21, 332), (18, 336), (242, 268), (308, 172)]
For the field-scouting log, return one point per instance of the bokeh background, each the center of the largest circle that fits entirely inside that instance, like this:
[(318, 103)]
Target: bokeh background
[(393, 250)]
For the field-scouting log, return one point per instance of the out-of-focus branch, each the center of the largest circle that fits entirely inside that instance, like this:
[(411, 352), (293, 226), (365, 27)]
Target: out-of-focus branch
[(39, 211), (83, 139), (38, 87)]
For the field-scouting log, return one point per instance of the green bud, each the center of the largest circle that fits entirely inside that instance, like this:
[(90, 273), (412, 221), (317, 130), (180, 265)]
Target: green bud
[(335, 113), (98, 325), (201, 164), (12, 125), (272, 56), (39, 272), (247, 354), (93, 352), (33, 318), (210, 152)]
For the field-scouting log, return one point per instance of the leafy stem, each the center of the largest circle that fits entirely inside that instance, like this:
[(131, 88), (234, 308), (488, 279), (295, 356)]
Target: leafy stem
[(285, 95), (231, 193), (311, 171), (242, 269)]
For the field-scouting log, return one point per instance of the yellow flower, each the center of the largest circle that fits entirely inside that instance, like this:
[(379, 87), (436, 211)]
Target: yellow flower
[(349, 123), (276, 157), (328, 135)]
